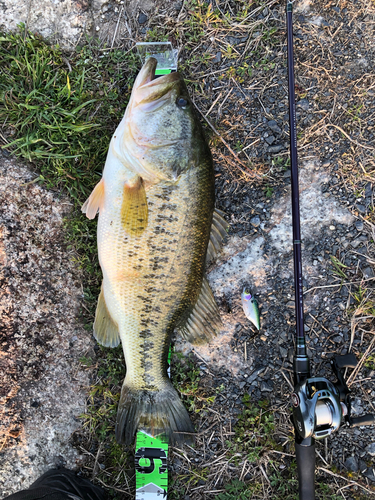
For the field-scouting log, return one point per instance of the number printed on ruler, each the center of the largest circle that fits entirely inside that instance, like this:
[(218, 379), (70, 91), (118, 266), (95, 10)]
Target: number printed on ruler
[(151, 467)]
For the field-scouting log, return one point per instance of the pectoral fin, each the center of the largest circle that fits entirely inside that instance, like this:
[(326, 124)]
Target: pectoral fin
[(105, 329), (134, 211), (204, 320), (95, 201)]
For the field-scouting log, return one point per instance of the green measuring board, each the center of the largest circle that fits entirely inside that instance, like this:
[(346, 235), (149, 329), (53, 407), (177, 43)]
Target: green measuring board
[(151, 470), (151, 452)]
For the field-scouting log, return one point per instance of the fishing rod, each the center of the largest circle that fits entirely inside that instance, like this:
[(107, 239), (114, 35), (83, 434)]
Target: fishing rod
[(319, 405)]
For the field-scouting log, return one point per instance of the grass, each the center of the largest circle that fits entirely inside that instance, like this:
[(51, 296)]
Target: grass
[(253, 431), (186, 379), (61, 113)]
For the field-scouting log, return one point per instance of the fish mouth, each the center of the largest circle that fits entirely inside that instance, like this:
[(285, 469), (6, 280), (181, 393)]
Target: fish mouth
[(152, 91)]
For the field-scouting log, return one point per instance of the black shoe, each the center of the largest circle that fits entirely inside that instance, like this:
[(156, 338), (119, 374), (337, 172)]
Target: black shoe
[(60, 484)]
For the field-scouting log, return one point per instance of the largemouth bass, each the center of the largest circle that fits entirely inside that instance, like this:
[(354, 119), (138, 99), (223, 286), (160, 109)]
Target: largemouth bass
[(156, 215)]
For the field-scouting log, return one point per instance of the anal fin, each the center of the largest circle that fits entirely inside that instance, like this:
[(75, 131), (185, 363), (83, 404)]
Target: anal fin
[(105, 329), (95, 201), (134, 211), (204, 320)]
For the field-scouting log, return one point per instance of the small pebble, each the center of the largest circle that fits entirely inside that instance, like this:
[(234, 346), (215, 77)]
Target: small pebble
[(142, 18), (255, 221), (274, 149), (368, 272), (264, 387), (361, 208), (351, 464), (303, 104), (217, 58), (274, 127), (270, 140)]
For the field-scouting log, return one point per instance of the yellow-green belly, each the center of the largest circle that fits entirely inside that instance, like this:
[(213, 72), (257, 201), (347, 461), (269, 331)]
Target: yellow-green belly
[(150, 282)]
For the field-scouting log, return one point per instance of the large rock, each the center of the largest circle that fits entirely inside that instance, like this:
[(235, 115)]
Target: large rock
[(43, 386), (67, 22)]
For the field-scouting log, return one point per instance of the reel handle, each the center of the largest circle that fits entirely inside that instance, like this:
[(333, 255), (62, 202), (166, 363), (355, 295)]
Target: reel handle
[(345, 361), (305, 456), (368, 419)]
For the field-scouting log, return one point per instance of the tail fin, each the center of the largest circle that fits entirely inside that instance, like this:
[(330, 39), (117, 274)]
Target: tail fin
[(155, 412)]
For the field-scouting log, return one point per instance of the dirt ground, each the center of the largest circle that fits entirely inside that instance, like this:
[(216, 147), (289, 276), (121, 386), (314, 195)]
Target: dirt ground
[(233, 56)]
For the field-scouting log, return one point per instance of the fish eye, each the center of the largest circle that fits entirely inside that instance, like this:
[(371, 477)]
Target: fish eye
[(181, 102)]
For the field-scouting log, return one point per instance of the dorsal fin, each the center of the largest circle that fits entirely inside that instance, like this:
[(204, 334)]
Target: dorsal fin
[(105, 329), (219, 230), (204, 320)]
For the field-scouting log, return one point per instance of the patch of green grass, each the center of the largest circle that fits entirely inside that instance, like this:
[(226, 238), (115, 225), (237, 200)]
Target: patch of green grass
[(281, 162), (268, 191), (104, 395), (186, 378), (61, 109), (100, 416), (338, 267), (235, 490), (253, 431), (282, 484), (370, 362)]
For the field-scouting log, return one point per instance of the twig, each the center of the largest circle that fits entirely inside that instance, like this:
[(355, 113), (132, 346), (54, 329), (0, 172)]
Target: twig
[(353, 483), (349, 138), (4, 139), (282, 453), (225, 98), (249, 145), (118, 21), (264, 474), (249, 173), (205, 362), (67, 63), (27, 19), (321, 457), (114, 488), (338, 284), (213, 104), (359, 365), (286, 378), (96, 462)]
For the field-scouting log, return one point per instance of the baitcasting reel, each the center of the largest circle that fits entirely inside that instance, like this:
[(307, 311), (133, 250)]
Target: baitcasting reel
[(319, 405)]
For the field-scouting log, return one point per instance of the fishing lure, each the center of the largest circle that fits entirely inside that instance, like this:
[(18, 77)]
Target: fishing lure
[(250, 307)]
